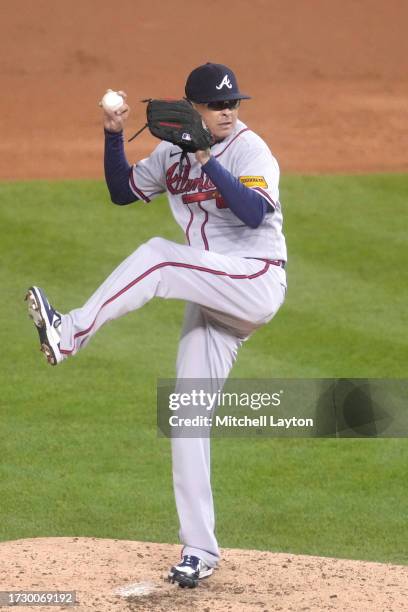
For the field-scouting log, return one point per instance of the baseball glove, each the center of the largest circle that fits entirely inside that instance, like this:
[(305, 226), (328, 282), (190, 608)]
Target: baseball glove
[(176, 121)]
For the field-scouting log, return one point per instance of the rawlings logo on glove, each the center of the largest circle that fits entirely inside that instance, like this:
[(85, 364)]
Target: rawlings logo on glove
[(176, 121)]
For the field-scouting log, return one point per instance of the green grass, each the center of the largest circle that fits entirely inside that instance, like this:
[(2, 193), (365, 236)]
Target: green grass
[(80, 453)]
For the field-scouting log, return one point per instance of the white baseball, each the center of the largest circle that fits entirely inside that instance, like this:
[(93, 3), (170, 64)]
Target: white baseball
[(112, 101)]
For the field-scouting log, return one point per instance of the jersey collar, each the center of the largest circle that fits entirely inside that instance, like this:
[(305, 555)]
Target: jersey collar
[(223, 143)]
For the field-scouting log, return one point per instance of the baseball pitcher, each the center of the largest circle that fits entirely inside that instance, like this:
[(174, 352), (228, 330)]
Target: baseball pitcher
[(222, 185)]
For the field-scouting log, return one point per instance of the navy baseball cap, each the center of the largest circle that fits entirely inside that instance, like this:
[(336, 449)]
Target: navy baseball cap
[(213, 82)]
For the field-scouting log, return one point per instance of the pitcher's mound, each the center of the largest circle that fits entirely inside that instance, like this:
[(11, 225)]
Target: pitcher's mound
[(121, 575)]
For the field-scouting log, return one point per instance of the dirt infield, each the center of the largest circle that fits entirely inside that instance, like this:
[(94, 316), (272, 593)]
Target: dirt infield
[(329, 79), (120, 575)]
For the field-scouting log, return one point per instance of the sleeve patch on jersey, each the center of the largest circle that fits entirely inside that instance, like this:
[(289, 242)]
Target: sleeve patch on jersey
[(253, 181)]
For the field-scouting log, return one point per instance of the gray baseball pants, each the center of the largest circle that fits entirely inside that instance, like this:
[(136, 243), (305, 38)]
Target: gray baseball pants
[(227, 298)]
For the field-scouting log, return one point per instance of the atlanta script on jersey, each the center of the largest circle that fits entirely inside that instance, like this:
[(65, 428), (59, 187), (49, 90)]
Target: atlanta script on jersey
[(198, 207)]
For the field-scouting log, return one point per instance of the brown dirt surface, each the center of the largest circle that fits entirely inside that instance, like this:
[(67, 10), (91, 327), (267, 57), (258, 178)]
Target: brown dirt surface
[(329, 80), (119, 575)]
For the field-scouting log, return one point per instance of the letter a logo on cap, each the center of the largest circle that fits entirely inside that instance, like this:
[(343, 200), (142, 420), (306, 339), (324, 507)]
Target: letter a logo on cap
[(225, 81)]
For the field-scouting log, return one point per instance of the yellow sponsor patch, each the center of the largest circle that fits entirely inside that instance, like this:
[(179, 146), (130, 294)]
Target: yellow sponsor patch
[(254, 181)]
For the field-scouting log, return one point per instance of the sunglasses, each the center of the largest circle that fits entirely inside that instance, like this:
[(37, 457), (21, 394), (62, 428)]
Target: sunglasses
[(223, 104)]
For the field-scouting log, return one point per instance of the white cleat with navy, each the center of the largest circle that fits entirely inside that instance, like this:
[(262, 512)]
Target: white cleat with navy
[(189, 571), (47, 322)]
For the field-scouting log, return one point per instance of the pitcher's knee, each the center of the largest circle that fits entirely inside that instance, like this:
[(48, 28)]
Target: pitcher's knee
[(158, 245), (154, 251)]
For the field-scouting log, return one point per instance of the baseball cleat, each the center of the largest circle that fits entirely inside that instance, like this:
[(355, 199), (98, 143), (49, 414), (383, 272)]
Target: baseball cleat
[(189, 571), (48, 323)]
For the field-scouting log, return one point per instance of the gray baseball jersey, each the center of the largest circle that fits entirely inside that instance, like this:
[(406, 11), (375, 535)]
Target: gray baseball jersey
[(198, 207)]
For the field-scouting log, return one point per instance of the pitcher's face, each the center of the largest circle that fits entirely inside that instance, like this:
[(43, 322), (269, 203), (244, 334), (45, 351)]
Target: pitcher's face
[(220, 117)]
